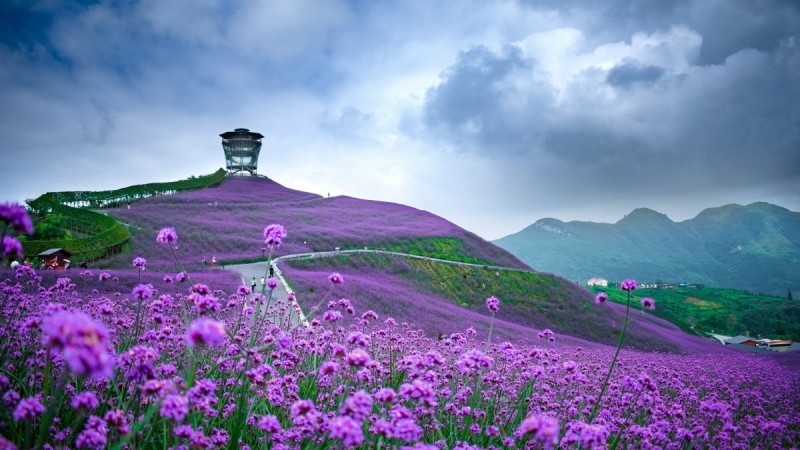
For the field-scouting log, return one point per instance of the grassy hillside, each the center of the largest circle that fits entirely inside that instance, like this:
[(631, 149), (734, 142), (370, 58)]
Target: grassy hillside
[(438, 297), (722, 311), (754, 247)]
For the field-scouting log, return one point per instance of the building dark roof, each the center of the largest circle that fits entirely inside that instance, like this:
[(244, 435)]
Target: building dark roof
[(241, 133), (739, 339), (53, 251)]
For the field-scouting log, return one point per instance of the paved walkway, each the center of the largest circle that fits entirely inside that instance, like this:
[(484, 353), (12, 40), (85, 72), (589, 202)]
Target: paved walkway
[(257, 270)]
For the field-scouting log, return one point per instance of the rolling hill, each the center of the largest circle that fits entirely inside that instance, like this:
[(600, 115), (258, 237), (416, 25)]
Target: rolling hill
[(754, 247), (227, 222)]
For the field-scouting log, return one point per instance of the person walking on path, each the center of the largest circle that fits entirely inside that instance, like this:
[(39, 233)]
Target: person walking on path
[(253, 285), (271, 271), (263, 282)]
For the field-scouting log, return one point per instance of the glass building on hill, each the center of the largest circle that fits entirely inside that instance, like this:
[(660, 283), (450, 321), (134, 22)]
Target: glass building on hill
[(241, 150)]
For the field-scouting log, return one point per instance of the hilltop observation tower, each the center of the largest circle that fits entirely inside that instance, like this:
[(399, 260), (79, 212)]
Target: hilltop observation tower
[(241, 148)]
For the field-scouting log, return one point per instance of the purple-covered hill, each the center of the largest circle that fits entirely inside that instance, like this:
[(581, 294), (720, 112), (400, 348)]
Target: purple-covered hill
[(226, 222)]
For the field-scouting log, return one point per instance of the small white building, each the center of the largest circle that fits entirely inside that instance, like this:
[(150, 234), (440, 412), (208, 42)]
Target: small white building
[(596, 281)]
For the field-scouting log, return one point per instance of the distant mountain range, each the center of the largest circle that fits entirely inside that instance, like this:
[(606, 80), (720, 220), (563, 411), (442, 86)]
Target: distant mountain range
[(754, 247)]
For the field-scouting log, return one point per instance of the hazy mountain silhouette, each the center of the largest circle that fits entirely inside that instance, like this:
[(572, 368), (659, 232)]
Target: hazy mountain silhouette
[(754, 247)]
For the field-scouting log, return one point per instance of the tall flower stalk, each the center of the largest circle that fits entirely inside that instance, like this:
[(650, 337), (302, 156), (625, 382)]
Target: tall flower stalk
[(628, 286), (494, 305), (274, 235)]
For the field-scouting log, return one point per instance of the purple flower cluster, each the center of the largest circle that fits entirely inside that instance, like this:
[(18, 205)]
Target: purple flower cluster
[(11, 246), (167, 235), (628, 285), (84, 343), (206, 332), (274, 235), (543, 429), (335, 278), (28, 409), (16, 216), (493, 304)]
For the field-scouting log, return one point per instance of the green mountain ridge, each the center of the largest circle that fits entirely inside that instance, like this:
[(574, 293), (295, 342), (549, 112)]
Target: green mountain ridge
[(754, 247)]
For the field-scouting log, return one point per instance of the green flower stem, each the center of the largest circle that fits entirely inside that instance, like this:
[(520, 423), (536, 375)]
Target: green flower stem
[(491, 326), (180, 265), (596, 408)]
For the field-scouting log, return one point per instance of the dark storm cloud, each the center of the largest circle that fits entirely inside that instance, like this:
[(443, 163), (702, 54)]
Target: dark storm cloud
[(489, 101), (630, 73), (662, 120)]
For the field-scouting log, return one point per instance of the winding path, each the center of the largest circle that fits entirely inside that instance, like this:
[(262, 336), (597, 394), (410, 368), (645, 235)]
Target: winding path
[(689, 343), (254, 271)]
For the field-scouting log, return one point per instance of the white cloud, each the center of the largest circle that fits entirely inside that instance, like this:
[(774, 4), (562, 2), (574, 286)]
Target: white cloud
[(282, 28)]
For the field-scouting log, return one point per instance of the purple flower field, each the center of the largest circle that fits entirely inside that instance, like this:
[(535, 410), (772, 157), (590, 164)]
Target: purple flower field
[(226, 222), (149, 356), (206, 369)]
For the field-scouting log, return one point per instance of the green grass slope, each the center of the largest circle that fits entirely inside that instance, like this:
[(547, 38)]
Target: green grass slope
[(722, 310)]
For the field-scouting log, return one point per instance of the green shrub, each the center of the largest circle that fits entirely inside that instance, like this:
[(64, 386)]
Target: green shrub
[(106, 236)]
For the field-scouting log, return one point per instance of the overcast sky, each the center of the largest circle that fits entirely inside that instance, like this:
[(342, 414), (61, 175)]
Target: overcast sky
[(492, 114)]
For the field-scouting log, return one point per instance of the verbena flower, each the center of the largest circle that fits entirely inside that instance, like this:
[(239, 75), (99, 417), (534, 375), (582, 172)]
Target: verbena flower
[(628, 285), (472, 361), (331, 316), (544, 429), (94, 434), (385, 395), (11, 247), (142, 292), (358, 358), (139, 262), (493, 304), (17, 216), (167, 235), (347, 430), (175, 407), (269, 424), (272, 283), (84, 343), (336, 278), (358, 406), (243, 290), (137, 363), (648, 303), (274, 234), (85, 400), (601, 297), (28, 408), (118, 420), (206, 332)]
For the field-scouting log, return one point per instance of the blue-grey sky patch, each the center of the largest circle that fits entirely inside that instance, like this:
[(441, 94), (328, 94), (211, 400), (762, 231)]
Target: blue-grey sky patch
[(492, 114)]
